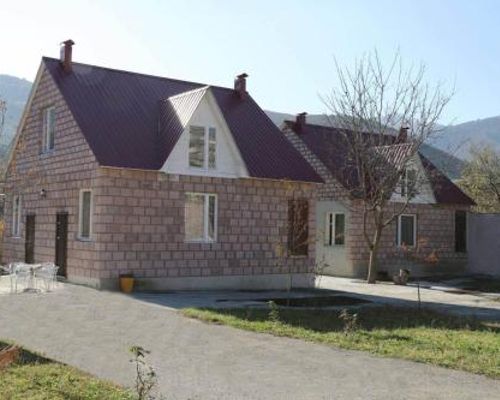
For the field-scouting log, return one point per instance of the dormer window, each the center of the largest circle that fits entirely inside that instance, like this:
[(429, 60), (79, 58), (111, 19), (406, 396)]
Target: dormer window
[(202, 147), (49, 124), (408, 182)]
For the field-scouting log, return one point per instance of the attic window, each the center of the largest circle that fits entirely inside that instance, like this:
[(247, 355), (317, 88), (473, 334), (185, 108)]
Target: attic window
[(409, 183), (202, 147), (49, 123)]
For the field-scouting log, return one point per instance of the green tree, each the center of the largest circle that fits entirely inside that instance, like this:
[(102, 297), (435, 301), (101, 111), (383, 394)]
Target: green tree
[(481, 178)]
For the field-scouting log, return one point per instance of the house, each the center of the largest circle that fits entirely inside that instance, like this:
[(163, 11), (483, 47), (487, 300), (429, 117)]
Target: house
[(184, 185), (432, 229)]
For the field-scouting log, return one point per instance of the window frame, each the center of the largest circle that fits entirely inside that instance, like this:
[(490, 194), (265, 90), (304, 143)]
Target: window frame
[(404, 183), (206, 223), (16, 216), (294, 249), (207, 142), (45, 121), (330, 223), (80, 215), (455, 215), (398, 230)]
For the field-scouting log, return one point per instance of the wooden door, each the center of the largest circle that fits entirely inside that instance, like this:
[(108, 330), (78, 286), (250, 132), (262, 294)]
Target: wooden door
[(61, 242), (29, 243)]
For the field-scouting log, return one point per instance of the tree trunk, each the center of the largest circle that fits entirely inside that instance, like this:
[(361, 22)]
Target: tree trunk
[(372, 263)]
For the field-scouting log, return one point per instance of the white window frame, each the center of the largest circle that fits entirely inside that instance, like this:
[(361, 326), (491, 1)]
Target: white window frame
[(46, 141), (333, 215), (206, 148), (205, 238), (16, 216), (398, 233), (80, 215), (405, 182)]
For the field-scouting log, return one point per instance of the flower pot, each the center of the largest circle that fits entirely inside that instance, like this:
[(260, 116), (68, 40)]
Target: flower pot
[(126, 284)]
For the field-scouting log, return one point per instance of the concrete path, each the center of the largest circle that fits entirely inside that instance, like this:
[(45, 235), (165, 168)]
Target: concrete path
[(92, 330), (434, 295)]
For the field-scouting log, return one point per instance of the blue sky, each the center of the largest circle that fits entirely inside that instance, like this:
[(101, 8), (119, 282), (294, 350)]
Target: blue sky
[(287, 47)]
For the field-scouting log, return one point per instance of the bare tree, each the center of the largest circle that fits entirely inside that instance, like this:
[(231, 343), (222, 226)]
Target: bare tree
[(385, 114)]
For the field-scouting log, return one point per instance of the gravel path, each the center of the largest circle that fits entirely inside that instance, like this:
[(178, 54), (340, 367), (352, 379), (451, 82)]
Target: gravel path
[(92, 331)]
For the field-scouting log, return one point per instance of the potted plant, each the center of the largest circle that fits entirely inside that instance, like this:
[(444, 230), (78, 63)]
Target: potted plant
[(127, 282), (402, 278)]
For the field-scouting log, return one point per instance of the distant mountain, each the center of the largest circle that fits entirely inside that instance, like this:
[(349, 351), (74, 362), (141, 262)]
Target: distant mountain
[(444, 160), (462, 136), (15, 92)]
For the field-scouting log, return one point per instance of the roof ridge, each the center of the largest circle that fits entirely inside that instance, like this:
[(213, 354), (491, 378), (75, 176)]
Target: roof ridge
[(200, 89), (124, 71), (314, 125)]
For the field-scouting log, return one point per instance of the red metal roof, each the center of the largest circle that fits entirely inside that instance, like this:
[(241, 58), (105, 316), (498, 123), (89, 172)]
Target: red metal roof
[(330, 146), (119, 113)]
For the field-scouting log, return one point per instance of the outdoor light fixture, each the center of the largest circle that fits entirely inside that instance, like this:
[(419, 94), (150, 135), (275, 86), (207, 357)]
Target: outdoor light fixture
[(43, 193)]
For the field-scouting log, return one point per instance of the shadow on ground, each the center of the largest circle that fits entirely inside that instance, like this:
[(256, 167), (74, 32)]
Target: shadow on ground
[(27, 357)]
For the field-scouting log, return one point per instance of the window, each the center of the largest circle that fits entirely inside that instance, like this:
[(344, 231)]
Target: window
[(298, 227), (460, 231), (407, 230), (16, 216), (49, 123), (335, 229), (85, 215), (202, 147), (200, 219), (408, 183)]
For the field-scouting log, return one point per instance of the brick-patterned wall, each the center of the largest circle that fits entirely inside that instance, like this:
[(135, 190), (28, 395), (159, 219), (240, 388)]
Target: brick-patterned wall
[(70, 167), (141, 225), (435, 251)]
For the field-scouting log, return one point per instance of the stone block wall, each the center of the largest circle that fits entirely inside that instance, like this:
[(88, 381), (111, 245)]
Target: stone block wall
[(62, 172), (140, 226)]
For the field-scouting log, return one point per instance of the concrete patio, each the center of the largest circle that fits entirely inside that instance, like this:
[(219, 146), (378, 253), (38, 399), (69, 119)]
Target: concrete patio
[(438, 296)]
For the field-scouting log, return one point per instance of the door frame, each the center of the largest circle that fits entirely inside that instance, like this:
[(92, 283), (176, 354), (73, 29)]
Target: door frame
[(61, 254), (29, 238)]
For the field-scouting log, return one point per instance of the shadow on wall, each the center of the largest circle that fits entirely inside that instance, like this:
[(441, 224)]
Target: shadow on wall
[(484, 244)]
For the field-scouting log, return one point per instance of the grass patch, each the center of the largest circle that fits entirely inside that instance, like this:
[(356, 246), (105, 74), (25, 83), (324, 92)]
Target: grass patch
[(426, 336), (37, 378), (483, 285)]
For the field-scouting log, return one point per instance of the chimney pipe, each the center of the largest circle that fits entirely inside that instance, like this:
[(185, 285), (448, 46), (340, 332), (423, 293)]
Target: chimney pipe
[(300, 121), (402, 135), (66, 55), (240, 85)]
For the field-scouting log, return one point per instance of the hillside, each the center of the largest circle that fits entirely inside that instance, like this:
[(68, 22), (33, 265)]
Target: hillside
[(15, 92), (461, 136)]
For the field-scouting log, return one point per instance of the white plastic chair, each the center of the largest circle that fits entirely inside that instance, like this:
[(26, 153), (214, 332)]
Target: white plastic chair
[(48, 273), (22, 273)]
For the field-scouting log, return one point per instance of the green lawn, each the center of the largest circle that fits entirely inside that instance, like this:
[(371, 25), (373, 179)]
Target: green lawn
[(37, 378), (483, 285), (424, 336)]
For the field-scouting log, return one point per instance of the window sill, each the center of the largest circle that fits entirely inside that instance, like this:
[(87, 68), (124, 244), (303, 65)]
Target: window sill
[(86, 240), (16, 237), (200, 241), (46, 153)]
